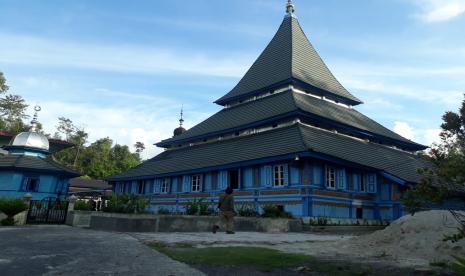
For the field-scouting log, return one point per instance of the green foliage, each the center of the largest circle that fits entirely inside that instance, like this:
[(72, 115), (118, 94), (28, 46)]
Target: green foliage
[(247, 210), (458, 265), (126, 203), (81, 205), (198, 207), (11, 207), (163, 211), (272, 211), (98, 160), (319, 221), (261, 258), (3, 86)]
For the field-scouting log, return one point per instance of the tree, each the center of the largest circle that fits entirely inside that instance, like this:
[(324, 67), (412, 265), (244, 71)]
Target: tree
[(140, 147), (3, 86), (12, 109), (447, 177), (66, 127)]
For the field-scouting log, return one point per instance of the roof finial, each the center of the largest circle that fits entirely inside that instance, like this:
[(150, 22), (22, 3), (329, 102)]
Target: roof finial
[(181, 120), (290, 7), (35, 122)]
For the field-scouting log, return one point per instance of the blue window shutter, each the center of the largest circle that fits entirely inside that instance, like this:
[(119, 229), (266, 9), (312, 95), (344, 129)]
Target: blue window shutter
[(268, 176), (222, 180), (356, 182), (317, 171), (201, 183), (341, 179), (208, 182), (286, 174), (371, 182), (186, 184), (247, 177), (156, 186), (174, 185), (295, 175)]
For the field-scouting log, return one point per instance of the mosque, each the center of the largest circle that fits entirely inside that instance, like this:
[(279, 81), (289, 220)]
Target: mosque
[(288, 135), (25, 168)]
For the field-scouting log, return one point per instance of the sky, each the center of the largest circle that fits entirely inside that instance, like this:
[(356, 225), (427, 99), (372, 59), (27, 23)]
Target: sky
[(123, 69)]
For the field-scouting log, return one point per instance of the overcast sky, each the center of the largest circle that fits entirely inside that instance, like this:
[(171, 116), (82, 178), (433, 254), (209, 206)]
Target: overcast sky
[(124, 68)]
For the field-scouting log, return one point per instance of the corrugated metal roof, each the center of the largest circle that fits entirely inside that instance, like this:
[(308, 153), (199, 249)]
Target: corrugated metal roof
[(288, 140), (289, 55), (24, 162), (280, 104)]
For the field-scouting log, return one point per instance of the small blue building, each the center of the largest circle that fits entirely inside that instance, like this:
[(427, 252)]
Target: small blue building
[(26, 169), (288, 135)]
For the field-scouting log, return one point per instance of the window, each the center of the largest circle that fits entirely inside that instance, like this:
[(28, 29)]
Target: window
[(330, 177), (278, 175), (141, 187), (362, 183), (195, 183), (165, 184), (31, 184)]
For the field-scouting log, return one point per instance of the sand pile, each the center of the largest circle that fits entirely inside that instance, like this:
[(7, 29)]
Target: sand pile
[(414, 237)]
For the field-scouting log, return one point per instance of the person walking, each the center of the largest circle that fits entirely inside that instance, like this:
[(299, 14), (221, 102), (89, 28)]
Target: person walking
[(227, 212)]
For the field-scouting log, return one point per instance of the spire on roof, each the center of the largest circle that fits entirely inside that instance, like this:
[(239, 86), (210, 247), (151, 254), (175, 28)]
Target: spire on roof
[(290, 8), (34, 121), (181, 120), (180, 130)]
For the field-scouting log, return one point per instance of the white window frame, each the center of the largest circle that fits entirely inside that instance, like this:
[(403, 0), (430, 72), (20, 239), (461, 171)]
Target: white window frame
[(195, 183), (278, 175), (164, 185), (331, 178)]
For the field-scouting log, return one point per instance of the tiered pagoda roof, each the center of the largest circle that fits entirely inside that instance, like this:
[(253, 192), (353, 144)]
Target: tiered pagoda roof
[(287, 104)]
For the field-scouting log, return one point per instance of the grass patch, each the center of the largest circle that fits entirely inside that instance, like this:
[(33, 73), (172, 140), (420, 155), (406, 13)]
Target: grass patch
[(258, 258), (261, 258)]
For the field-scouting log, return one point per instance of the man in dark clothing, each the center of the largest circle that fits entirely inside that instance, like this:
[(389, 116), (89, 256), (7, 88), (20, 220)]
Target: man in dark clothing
[(227, 213)]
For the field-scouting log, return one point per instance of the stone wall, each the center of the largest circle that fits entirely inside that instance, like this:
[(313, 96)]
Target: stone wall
[(173, 223)]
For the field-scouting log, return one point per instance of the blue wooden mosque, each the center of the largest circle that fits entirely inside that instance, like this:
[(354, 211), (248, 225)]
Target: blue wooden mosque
[(288, 135), (25, 167)]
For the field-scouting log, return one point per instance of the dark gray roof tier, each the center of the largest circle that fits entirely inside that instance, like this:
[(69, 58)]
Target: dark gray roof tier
[(297, 138), (289, 56), (37, 164), (276, 106)]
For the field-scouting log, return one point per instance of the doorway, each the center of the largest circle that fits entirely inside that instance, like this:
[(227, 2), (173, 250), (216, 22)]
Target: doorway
[(359, 213), (234, 179)]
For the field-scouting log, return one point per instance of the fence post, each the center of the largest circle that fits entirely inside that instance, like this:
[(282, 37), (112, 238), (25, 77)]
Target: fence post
[(27, 200), (72, 200)]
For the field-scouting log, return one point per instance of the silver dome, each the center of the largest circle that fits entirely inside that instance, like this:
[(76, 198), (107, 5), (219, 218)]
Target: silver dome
[(31, 140)]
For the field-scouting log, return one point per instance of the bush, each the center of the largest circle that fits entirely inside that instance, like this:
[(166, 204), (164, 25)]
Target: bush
[(198, 207), (11, 207), (273, 211), (247, 210), (319, 221), (126, 203), (163, 211), (81, 205)]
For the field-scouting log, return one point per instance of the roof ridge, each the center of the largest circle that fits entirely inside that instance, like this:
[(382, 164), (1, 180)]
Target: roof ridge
[(358, 139)]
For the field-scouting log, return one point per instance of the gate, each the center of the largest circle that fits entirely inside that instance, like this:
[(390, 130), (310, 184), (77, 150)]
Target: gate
[(47, 211)]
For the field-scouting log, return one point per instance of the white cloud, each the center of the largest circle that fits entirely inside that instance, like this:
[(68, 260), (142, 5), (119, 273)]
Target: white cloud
[(403, 129), (431, 136), (148, 122), (446, 97), (34, 51), (433, 11)]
